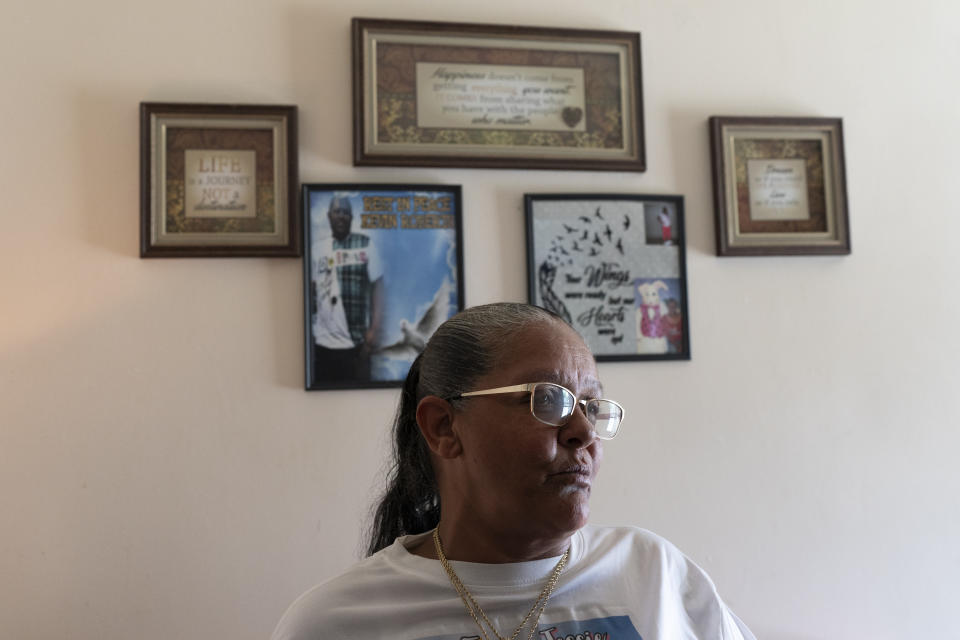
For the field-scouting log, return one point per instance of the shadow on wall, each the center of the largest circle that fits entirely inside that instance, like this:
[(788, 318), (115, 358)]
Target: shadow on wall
[(106, 152)]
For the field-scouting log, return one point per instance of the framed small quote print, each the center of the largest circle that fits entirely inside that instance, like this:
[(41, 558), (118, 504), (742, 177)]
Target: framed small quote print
[(218, 180), (779, 186), (613, 266)]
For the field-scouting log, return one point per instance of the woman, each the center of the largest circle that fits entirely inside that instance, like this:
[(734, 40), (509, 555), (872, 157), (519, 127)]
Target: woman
[(481, 532)]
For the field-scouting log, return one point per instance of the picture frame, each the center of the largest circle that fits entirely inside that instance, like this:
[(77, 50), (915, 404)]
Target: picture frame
[(218, 180), (444, 94), (382, 269), (779, 186), (613, 266)]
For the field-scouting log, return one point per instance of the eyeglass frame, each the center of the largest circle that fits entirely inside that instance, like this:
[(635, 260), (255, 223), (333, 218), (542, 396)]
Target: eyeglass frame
[(530, 386)]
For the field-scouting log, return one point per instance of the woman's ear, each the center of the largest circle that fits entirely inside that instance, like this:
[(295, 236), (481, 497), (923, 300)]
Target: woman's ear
[(435, 419)]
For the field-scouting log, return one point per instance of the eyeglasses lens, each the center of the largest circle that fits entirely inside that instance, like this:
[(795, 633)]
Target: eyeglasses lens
[(552, 404), (605, 416)]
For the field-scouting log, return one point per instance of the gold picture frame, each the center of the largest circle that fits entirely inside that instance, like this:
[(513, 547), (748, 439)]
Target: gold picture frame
[(779, 186), (218, 180), (470, 95)]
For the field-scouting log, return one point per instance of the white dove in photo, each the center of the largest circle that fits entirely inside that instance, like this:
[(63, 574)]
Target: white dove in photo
[(415, 337)]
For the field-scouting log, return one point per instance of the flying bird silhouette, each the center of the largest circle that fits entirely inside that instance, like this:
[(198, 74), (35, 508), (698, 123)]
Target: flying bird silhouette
[(626, 222), (620, 245), (597, 213), (585, 219), (569, 228), (576, 247), (596, 240), (593, 251), (608, 233)]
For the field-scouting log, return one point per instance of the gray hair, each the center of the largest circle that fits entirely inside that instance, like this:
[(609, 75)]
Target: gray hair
[(464, 348), (468, 345)]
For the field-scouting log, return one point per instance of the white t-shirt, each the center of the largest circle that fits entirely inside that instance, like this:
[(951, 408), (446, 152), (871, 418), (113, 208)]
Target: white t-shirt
[(330, 328), (620, 583)]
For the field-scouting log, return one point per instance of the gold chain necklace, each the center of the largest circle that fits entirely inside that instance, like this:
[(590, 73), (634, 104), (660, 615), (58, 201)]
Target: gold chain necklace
[(473, 608)]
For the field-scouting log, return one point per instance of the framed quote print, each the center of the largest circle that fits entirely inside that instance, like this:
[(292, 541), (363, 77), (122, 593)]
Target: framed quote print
[(382, 270), (613, 266), (779, 186), (470, 95), (218, 180)]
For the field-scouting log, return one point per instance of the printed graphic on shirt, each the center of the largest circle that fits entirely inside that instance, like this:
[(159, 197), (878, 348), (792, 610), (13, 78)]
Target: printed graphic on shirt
[(609, 628), (324, 276), (341, 276), (346, 257)]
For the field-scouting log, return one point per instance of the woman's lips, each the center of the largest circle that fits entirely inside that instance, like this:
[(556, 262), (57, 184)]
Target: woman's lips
[(576, 474)]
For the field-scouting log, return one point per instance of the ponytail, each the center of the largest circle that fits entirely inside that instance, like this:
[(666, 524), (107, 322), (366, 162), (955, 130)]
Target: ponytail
[(410, 503)]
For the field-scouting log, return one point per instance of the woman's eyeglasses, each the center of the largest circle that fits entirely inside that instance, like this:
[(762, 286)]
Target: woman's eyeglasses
[(553, 404)]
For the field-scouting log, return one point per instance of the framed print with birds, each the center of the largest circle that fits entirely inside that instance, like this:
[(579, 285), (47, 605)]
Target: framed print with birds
[(614, 267)]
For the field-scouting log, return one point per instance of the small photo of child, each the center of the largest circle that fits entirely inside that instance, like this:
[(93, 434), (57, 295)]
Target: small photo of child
[(660, 222)]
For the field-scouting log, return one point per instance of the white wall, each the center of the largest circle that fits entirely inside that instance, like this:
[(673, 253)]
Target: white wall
[(164, 475)]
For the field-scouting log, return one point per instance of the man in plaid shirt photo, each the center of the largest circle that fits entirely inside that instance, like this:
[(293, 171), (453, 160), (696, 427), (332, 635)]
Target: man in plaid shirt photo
[(348, 298)]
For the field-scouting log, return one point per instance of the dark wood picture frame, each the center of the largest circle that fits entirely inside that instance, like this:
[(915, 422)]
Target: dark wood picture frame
[(779, 186), (614, 267), (504, 96), (218, 180), (407, 237)]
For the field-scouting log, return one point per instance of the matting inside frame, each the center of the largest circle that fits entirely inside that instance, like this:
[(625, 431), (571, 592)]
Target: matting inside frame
[(783, 186), (474, 96), (218, 181)]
